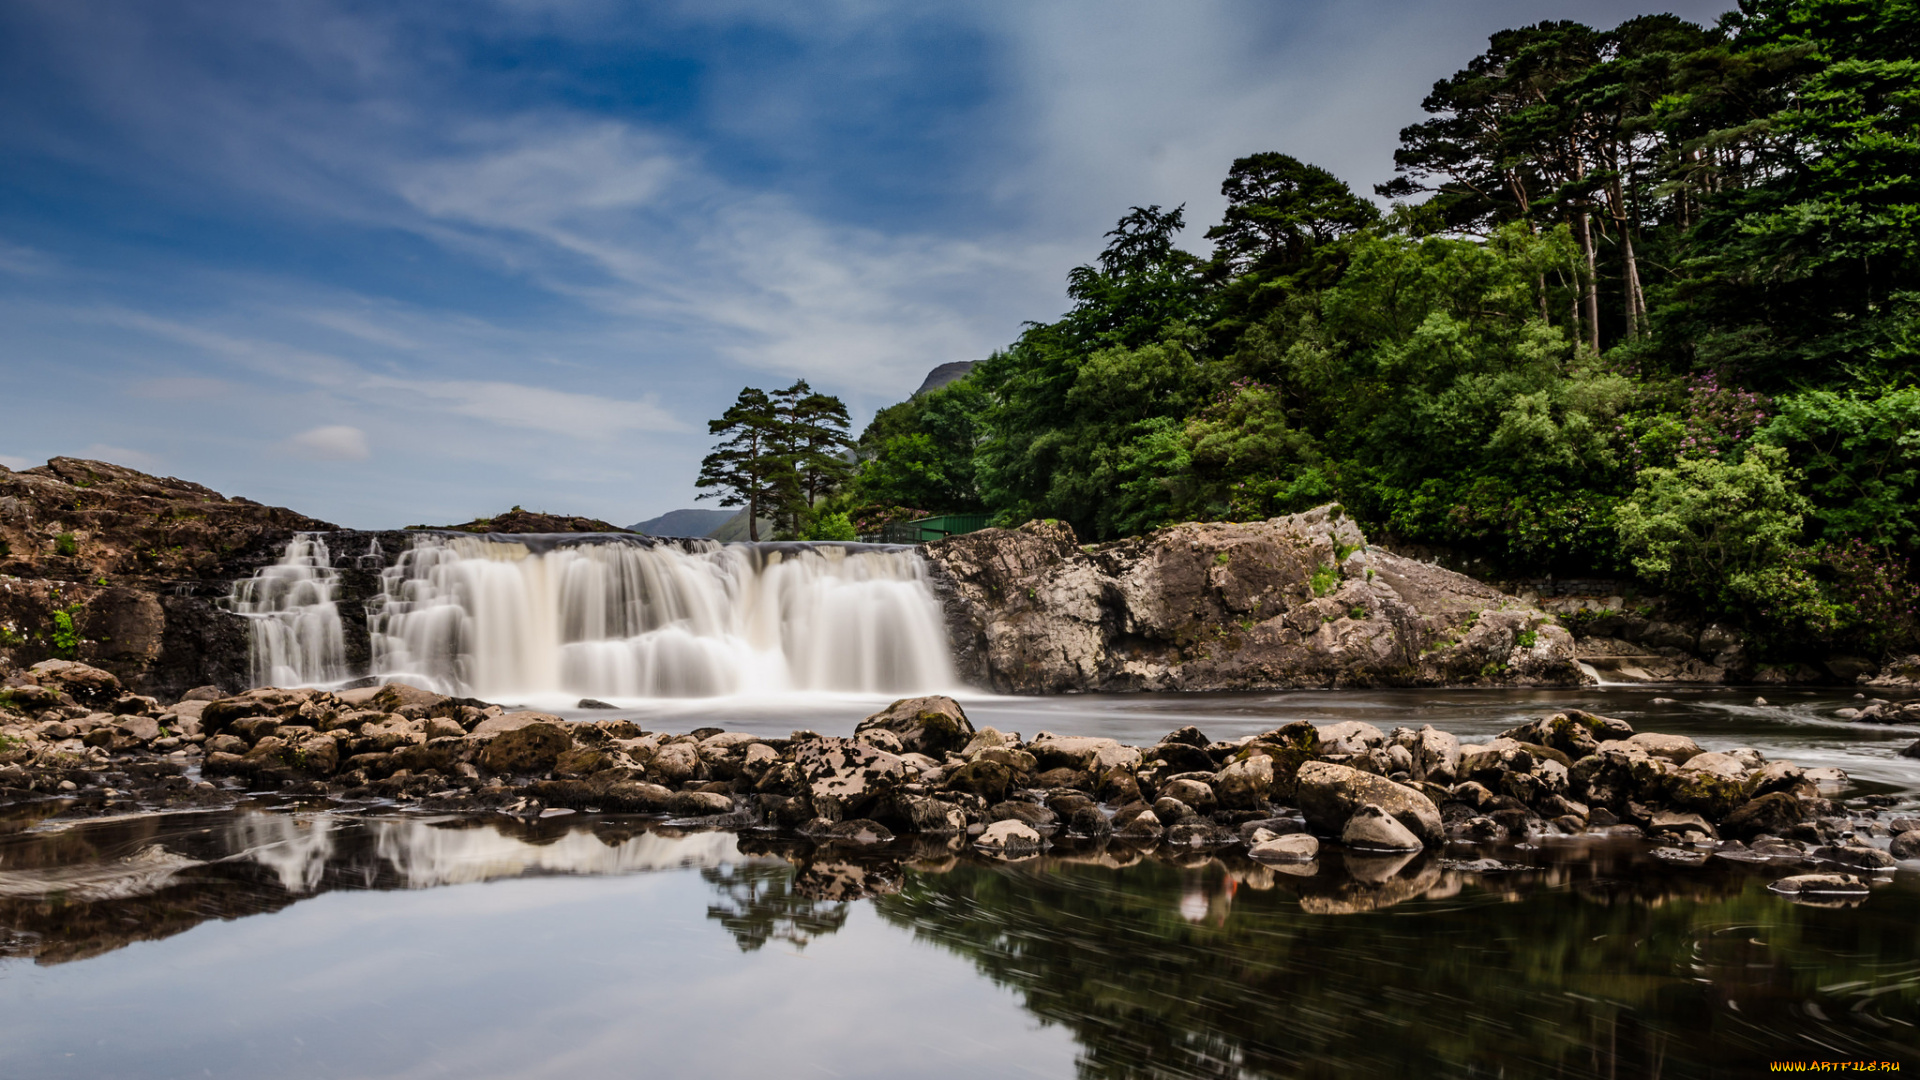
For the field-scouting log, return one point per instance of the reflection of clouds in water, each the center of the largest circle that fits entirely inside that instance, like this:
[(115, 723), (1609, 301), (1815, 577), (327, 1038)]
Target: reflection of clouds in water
[(300, 848), (426, 856), (294, 847)]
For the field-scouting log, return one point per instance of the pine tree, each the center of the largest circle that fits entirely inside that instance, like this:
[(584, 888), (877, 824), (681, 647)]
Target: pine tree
[(813, 441), (749, 467)]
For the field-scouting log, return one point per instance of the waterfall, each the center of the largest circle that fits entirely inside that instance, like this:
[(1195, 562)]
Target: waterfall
[(511, 617), (293, 625)]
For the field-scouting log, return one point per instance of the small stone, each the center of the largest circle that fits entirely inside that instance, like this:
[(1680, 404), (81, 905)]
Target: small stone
[(1844, 884), (1858, 855), (1905, 845), (1759, 701), (68, 785), (1293, 847)]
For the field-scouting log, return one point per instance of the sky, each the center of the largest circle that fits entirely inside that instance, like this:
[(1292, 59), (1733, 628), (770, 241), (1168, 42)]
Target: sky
[(401, 263)]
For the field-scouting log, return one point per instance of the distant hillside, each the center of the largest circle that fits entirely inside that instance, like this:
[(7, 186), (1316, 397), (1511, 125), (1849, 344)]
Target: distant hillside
[(684, 523), (944, 374), (735, 528)]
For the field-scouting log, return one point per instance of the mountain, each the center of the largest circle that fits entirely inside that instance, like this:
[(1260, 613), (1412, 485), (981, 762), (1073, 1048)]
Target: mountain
[(944, 374), (684, 523)]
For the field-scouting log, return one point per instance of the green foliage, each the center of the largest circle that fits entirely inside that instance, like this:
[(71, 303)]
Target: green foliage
[(65, 636), (921, 452), (1728, 533), (1860, 451), (830, 526), (10, 638), (1325, 579), (64, 544)]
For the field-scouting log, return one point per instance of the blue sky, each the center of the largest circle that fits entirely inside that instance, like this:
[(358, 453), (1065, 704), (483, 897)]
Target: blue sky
[(390, 263)]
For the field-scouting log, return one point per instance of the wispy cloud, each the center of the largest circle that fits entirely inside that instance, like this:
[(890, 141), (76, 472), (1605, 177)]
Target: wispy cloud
[(581, 416), (332, 443)]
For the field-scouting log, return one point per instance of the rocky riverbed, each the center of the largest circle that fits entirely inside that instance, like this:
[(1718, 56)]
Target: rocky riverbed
[(73, 743)]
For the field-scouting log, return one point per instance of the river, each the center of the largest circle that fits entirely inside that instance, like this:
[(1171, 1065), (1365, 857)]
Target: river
[(314, 940)]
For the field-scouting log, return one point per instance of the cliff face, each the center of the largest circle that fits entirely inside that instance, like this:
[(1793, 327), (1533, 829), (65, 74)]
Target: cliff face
[(136, 563), (1293, 602)]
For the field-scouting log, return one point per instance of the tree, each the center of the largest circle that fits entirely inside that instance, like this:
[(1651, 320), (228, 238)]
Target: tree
[(1279, 209), (812, 438), (747, 468)]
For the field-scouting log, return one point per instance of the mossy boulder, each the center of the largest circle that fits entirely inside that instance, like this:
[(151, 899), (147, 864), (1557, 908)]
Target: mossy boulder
[(931, 725), (533, 748)]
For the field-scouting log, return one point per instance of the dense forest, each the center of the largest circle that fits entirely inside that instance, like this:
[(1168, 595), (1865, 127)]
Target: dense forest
[(1646, 302)]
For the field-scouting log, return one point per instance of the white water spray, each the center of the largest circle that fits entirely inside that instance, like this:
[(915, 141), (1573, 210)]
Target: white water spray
[(497, 618), (295, 635)]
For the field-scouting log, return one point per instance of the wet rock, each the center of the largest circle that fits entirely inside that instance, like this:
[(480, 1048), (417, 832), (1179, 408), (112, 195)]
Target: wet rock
[(1194, 793), (530, 748), (1436, 755), (1820, 883), (1010, 838), (1330, 794), (851, 772), (1912, 751), (1200, 834), (859, 831), (988, 779), (926, 725), (1293, 847), (1773, 813), (675, 762), (1037, 816), (1905, 845), (1370, 827), (1142, 826), (1675, 748), (1685, 828), (1082, 753), (1857, 855)]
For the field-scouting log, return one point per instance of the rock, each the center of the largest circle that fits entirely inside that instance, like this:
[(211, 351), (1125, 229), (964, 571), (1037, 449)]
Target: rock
[(1675, 748), (859, 831), (1436, 755), (1905, 845), (1029, 611), (1245, 785), (1039, 817), (1827, 781), (1082, 753), (1142, 826), (1912, 751), (1329, 794), (926, 725), (83, 682), (674, 763), (1842, 884), (1860, 855), (850, 772), (530, 748), (1294, 847), (593, 703), (494, 725), (1350, 737), (988, 779), (1009, 838), (1193, 793), (1685, 828), (1373, 828), (1774, 813)]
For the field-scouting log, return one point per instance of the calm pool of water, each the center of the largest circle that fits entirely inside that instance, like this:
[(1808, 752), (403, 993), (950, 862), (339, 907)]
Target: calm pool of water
[(282, 940)]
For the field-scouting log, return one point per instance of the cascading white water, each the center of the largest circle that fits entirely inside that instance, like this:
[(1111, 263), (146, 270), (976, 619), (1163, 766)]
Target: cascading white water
[(296, 638), (492, 618)]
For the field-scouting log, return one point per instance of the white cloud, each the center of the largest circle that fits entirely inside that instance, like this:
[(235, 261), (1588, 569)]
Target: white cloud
[(333, 443), (557, 411), (25, 261)]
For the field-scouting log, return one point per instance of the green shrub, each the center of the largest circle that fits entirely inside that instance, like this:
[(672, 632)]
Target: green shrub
[(66, 637), (1325, 579), (831, 527), (64, 544)]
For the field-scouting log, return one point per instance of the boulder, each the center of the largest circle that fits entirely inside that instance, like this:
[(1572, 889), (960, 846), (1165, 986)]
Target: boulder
[(1675, 748), (852, 773), (1774, 813), (1373, 828), (83, 682), (1833, 884), (530, 748), (1435, 754), (1292, 847), (699, 804), (1082, 753), (1350, 737), (1905, 845), (925, 725), (1010, 837), (1245, 784), (1329, 794)]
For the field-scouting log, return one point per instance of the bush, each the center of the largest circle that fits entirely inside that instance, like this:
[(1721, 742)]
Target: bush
[(64, 544), (831, 527), (1727, 533)]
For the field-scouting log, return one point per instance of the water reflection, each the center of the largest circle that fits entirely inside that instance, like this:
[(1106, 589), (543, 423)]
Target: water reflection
[(1597, 958)]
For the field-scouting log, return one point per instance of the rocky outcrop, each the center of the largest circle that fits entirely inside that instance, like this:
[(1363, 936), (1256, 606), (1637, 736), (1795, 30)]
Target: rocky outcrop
[(123, 570), (1291, 602), (521, 522), (72, 738)]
